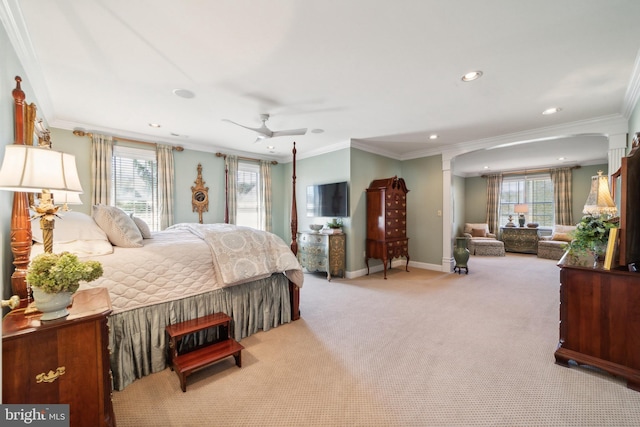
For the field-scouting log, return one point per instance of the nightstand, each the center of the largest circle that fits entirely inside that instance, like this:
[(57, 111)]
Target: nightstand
[(61, 361)]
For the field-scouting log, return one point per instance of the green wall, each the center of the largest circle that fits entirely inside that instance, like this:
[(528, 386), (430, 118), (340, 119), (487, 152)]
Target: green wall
[(364, 168), (10, 68), (186, 162), (423, 177)]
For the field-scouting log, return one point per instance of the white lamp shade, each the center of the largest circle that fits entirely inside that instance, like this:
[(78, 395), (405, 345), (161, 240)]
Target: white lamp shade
[(599, 201), (31, 169), (521, 208)]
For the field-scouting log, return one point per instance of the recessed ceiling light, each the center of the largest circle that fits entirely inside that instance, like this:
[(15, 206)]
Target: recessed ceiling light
[(270, 147), (184, 93), (154, 125), (485, 167), (433, 136), (552, 110), (562, 158), (473, 75)]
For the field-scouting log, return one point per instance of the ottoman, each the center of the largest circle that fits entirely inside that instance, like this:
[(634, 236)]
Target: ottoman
[(489, 247)]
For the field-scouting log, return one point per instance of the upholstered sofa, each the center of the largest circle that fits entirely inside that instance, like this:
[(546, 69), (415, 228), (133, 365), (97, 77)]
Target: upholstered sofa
[(554, 246), (475, 232)]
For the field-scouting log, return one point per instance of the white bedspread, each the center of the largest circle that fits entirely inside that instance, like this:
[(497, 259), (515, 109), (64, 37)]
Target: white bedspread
[(174, 264), (241, 254)]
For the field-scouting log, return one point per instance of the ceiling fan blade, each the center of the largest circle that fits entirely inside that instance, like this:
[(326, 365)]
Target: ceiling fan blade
[(260, 138), (290, 132), (263, 130)]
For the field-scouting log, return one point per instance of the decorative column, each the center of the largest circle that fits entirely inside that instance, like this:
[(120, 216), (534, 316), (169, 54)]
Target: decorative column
[(448, 262), (617, 150)]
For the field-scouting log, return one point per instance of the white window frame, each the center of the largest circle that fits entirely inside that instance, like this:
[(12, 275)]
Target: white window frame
[(249, 205), (534, 190), (143, 204)]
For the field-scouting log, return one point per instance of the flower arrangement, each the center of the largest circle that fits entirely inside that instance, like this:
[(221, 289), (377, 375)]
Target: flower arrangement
[(54, 273), (591, 234), (335, 223)]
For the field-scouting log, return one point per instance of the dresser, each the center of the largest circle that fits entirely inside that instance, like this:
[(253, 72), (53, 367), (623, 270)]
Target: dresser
[(599, 321), (387, 221), (318, 252), (61, 361), (520, 239)]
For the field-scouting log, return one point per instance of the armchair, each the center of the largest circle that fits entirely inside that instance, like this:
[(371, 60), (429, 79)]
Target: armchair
[(475, 232)]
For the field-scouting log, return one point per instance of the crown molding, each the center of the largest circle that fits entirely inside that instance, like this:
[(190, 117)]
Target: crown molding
[(13, 21), (633, 90)]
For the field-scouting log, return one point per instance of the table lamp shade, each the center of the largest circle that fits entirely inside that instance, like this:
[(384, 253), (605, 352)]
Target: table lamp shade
[(31, 169), (599, 201), (521, 208)]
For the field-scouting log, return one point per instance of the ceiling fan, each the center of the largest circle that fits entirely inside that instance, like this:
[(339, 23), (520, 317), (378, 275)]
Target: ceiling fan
[(265, 133)]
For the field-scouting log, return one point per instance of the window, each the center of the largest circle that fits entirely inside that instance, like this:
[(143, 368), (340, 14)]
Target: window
[(134, 180), (248, 198), (536, 191)]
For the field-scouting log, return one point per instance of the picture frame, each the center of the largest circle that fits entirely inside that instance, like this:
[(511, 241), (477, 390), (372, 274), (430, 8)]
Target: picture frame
[(611, 253)]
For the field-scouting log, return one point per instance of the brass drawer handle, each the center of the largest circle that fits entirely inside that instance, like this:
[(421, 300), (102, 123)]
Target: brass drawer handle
[(51, 376)]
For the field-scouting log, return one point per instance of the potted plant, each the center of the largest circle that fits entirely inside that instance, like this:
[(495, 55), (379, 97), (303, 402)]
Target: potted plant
[(55, 277), (335, 225), (591, 236)]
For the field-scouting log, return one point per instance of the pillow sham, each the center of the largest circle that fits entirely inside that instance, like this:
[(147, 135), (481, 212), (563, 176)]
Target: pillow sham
[(119, 227), (71, 227), (143, 227), (562, 237), (478, 232)]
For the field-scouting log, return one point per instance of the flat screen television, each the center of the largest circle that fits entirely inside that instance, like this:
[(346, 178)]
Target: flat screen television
[(328, 200)]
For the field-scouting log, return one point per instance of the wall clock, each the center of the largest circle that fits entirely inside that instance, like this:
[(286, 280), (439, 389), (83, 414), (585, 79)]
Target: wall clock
[(199, 196)]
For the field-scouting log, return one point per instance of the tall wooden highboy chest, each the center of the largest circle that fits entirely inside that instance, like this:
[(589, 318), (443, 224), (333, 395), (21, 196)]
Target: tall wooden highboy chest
[(387, 221)]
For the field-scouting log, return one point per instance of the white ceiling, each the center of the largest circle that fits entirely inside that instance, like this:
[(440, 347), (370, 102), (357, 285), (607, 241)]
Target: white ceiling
[(377, 75)]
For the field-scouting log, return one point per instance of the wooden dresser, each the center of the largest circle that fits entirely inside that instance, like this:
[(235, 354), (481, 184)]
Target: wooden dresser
[(600, 321), (61, 361), (323, 252), (387, 221)]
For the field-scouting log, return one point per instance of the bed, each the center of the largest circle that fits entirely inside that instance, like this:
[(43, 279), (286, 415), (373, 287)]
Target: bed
[(157, 279)]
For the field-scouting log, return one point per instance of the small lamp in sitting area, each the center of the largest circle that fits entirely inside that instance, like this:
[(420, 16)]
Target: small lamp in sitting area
[(521, 209), (32, 169)]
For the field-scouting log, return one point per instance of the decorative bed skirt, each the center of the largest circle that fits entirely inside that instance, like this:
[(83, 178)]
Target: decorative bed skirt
[(137, 337)]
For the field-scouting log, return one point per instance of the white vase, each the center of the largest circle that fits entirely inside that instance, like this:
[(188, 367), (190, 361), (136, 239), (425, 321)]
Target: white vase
[(52, 306)]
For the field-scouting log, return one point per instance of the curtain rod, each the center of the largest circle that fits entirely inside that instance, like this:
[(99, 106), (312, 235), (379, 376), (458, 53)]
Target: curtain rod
[(78, 132), (224, 156), (531, 171)]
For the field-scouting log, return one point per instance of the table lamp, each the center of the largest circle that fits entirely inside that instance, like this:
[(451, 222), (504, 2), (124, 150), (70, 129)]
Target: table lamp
[(599, 201), (521, 209), (32, 169)]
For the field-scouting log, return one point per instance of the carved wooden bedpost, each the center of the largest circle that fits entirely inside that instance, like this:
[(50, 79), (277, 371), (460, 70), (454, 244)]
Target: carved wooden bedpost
[(293, 289), (20, 221)]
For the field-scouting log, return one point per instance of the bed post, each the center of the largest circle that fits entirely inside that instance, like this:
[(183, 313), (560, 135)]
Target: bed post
[(20, 221), (293, 289)]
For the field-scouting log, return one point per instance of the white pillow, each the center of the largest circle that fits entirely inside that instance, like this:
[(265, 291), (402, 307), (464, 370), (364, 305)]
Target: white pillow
[(81, 248), (70, 227), (120, 228), (143, 227)]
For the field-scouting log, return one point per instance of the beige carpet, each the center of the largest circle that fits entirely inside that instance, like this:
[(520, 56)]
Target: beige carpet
[(419, 349)]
